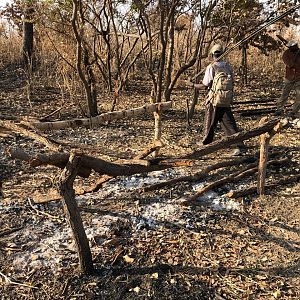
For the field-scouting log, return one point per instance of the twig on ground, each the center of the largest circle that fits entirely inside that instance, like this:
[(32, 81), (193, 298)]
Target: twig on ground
[(9, 231), (39, 212), (9, 281)]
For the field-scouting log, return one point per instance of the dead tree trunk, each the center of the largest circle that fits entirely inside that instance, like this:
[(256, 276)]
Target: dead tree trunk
[(66, 190), (27, 47), (105, 117), (157, 128), (263, 159), (244, 64), (85, 73)]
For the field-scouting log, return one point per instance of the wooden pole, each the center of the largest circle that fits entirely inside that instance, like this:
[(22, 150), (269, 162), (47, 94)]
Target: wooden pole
[(66, 190), (263, 157), (262, 166)]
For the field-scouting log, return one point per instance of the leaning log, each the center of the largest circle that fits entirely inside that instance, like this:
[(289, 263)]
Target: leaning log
[(90, 122), (198, 175), (252, 190), (251, 169), (51, 144), (233, 139)]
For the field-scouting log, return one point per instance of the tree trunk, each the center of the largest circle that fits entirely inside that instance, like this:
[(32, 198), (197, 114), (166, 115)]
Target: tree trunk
[(27, 47), (244, 64), (263, 159), (84, 74), (66, 190)]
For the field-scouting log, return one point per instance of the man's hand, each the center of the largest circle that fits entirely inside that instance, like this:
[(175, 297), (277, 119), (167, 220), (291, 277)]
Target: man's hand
[(189, 83)]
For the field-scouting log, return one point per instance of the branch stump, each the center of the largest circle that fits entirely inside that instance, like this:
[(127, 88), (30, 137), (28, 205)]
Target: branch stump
[(66, 190)]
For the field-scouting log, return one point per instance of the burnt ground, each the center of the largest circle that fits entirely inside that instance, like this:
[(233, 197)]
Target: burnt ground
[(147, 245)]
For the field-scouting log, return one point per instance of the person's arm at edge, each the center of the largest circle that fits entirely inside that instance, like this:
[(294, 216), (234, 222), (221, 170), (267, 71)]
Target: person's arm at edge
[(288, 59), (200, 86)]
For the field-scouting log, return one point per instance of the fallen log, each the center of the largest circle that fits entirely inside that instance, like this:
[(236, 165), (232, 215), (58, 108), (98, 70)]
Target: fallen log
[(255, 101), (251, 169), (269, 186), (7, 117), (90, 122), (95, 187), (197, 176), (8, 231), (45, 118), (255, 104), (53, 145), (233, 139), (257, 111), (57, 160), (88, 163)]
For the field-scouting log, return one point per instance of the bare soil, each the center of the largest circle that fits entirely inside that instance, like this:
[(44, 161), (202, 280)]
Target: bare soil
[(146, 245)]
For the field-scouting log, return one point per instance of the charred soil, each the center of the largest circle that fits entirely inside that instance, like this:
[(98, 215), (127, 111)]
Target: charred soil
[(147, 245)]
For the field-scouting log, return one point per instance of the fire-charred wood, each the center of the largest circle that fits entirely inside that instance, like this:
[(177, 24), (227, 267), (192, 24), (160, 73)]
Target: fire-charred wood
[(252, 190), (233, 139), (235, 177), (66, 190)]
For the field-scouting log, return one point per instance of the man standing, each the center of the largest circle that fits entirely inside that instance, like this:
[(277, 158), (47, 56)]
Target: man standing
[(291, 59), (218, 80)]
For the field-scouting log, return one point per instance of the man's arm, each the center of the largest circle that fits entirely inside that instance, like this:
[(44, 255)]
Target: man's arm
[(197, 86), (207, 80), (290, 58)]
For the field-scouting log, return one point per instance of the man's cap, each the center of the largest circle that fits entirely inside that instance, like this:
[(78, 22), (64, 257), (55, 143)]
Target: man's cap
[(217, 48), (292, 43)]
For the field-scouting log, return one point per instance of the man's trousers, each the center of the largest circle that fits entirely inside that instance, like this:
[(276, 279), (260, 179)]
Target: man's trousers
[(287, 88), (213, 115)]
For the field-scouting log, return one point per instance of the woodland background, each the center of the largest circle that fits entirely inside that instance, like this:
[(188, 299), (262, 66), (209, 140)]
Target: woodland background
[(66, 60)]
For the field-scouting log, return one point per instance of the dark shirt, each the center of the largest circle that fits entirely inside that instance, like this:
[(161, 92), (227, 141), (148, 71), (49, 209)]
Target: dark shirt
[(292, 64)]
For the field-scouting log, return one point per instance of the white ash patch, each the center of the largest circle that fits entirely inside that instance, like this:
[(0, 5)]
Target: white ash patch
[(122, 184), (50, 244), (46, 244), (156, 214), (216, 201)]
